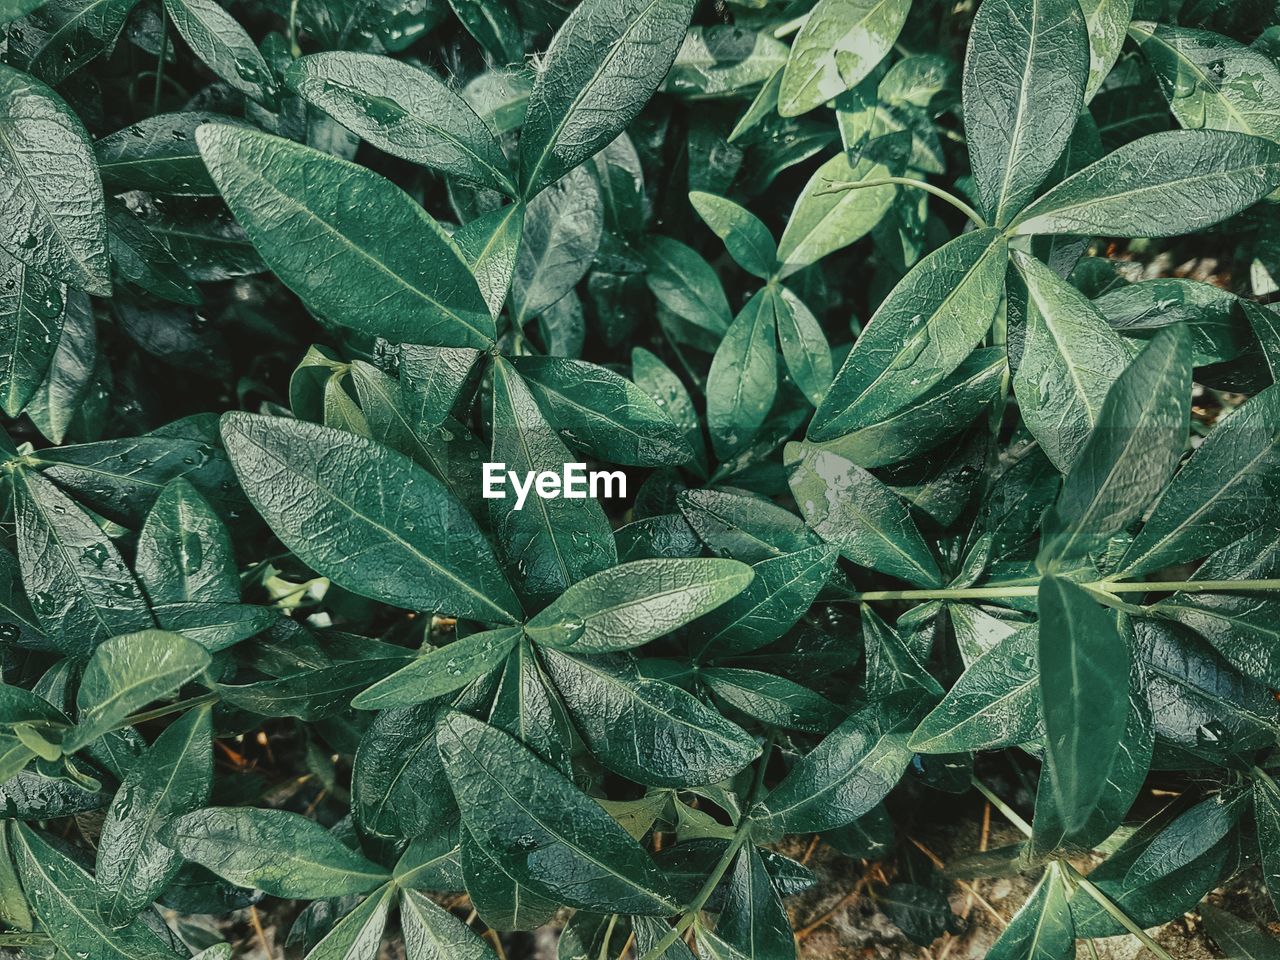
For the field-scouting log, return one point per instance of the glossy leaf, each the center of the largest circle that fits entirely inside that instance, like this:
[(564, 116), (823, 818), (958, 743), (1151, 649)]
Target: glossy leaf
[(544, 829), (1025, 73), (282, 853), (403, 538), (352, 246), (603, 64), (921, 332)]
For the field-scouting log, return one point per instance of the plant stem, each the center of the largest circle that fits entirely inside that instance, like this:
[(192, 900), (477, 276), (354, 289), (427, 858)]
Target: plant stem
[(164, 53), (1117, 914), (927, 187), (1103, 586), (740, 839), (1009, 813), (293, 30)]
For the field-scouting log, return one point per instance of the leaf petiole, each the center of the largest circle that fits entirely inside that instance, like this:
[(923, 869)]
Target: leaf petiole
[(927, 187)]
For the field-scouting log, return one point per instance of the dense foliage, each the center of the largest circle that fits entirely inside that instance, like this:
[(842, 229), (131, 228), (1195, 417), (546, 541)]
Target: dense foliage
[(947, 480)]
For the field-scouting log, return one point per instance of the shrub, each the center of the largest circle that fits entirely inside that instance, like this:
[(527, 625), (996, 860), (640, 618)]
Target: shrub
[(943, 486)]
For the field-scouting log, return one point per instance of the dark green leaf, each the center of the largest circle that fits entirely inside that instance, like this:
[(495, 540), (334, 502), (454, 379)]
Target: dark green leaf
[(354, 247), (541, 828), (374, 520), (282, 853)]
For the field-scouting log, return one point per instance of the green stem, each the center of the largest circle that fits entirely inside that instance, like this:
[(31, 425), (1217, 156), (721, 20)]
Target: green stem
[(1103, 586), (1117, 914), (23, 939), (164, 53), (608, 935), (740, 839), (1009, 813), (927, 187), (293, 30)]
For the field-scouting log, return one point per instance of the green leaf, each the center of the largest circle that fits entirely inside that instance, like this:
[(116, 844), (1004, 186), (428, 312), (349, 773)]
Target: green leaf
[(1161, 185), (501, 901), (184, 552), (432, 378), (1043, 928), (63, 898), (549, 543), (563, 227), (60, 397), (441, 670), (928, 421), (141, 260), (628, 605), (358, 935), (218, 39), (160, 154), (491, 245), (394, 415), (398, 786), (60, 36), (804, 345), (923, 330), (542, 829), (126, 673), (354, 247), (172, 778), (667, 390), (32, 316), (846, 775), (606, 416), (405, 110), (994, 703), (313, 694), (1130, 454), (747, 528), (1025, 71), (894, 663), (841, 42), (603, 64), (753, 922), (1084, 677), (647, 730), (686, 284), (849, 508), (433, 933), (744, 377), (1266, 812), (374, 521), (79, 586), (723, 60), (281, 853), (1225, 491), (1211, 81), (779, 594), (51, 207), (771, 700), (1070, 359), (748, 240), (823, 221), (527, 706), (1237, 939), (493, 27), (1211, 314), (1107, 21), (1188, 837)]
